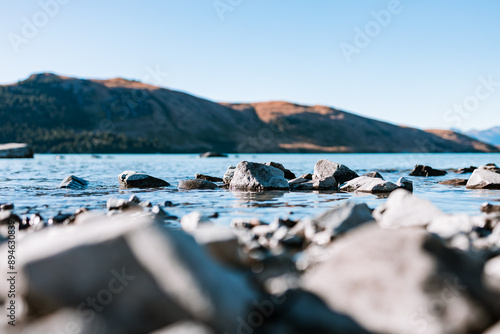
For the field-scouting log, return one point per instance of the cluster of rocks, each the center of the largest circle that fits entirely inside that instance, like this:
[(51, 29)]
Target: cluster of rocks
[(404, 267)]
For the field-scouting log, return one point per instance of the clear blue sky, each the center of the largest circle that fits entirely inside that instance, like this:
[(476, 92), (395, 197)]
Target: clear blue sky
[(429, 56)]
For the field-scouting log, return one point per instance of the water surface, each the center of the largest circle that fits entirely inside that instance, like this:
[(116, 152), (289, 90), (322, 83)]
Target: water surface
[(31, 184)]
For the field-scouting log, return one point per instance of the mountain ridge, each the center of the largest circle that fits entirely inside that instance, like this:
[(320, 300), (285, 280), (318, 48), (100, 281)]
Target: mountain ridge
[(63, 114)]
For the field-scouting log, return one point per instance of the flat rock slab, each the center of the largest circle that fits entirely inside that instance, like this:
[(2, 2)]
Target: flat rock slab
[(257, 176), (341, 173), (15, 151), (197, 184), (426, 171), (484, 179), (131, 179), (74, 182), (369, 185)]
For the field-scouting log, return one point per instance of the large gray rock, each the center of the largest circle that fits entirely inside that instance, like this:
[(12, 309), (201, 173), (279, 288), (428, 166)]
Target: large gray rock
[(341, 173), (131, 179), (15, 151), (447, 226), (403, 281), (257, 176), (327, 183), (196, 184), (74, 182), (402, 209), (484, 179), (137, 275), (368, 184)]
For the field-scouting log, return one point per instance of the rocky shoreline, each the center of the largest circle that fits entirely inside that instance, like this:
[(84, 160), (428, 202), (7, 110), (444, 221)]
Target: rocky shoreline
[(402, 267)]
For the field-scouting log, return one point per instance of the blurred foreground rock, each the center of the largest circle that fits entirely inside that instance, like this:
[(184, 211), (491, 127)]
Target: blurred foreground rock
[(404, 281)]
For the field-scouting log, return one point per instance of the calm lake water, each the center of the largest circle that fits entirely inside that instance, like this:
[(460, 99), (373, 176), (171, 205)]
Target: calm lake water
[(31, 184)]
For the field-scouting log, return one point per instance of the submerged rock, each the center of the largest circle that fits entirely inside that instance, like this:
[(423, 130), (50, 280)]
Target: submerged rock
[(369, 185), (288, 174), (196, 184), (208, 178), (212, 154), (374, 175), (15, 151), (257, 176), (228, 175), (403, 281), (74, 182), (454, 182), (426, 171), (341, 173), (131, 179), (484, 179)]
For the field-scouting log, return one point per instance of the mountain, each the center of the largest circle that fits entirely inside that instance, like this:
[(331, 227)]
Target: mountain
[(63, 114), (490, 136)]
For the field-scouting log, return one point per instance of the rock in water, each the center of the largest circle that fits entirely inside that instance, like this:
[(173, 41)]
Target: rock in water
[(403, 281), (426, 171), (369, 185), (288, 174), (15, 151), (405, 184), (208, 178), (228, 176), (484, 179), (454, 182), (466, 170), (74, 182), (213, 155), (257, 176), (154, 277), (131, 179), (196, 184), (341, 173)]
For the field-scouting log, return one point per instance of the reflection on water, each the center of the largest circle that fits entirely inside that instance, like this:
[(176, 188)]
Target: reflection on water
[(32, 184)]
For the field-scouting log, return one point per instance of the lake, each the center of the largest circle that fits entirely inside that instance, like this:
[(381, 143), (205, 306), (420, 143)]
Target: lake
[(32, 184)]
